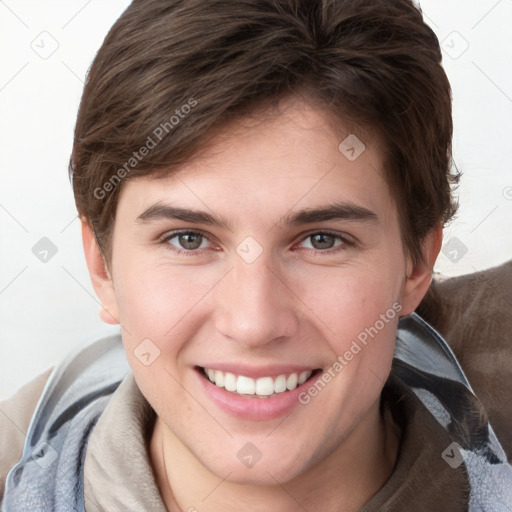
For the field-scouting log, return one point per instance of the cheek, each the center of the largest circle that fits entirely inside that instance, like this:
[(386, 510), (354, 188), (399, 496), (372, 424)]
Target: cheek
[(159, 308), (348, 300), (357, 311), (154, 300)]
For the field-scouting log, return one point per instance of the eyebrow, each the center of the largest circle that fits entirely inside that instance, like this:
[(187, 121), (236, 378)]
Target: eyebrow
[(334, 211), (160, 211)]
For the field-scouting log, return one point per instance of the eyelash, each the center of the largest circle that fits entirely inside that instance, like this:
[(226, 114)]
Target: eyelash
[(164, 240)]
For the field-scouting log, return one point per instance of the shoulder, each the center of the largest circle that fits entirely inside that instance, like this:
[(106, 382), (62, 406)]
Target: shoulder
[(15, 415), (474, 314)]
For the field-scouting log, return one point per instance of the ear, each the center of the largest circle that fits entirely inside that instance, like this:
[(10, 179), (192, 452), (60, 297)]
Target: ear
[(100, 276), (419, 276)]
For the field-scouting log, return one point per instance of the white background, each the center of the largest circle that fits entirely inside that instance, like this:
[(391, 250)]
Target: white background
[(46, 309)]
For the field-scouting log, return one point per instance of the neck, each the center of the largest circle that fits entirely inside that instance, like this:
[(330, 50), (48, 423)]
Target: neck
[(343, 481)]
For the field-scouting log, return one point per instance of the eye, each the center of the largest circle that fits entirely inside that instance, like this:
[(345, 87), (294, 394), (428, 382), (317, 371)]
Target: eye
[(186, 241), (324, 241)]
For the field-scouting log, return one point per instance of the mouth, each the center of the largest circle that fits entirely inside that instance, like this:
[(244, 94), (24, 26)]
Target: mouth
[(263, 387)]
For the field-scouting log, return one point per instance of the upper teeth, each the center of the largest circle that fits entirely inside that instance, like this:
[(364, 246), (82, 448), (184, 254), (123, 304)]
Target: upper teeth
[(264, 386)]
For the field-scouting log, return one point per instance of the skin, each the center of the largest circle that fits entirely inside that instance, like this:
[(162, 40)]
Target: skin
[(296, 303)]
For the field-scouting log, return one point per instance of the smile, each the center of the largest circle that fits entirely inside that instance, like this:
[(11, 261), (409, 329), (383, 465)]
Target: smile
[(263, 387)]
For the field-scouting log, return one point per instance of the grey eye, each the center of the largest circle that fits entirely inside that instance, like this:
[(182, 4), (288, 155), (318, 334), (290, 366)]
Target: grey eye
[(323, 240), (190, 241)]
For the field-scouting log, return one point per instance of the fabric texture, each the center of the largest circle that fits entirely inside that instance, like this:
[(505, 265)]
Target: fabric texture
[(49, 476), (118, 472), (473, 314), (449, 458), (15, 416)]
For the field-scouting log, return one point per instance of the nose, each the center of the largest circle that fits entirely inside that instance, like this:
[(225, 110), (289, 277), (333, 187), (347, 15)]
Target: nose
[(255, 306)]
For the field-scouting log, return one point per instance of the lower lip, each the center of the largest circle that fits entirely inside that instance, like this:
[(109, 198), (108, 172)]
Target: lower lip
[(252, 407)]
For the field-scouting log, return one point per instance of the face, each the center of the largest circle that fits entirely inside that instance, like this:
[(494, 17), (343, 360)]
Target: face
[(271, 259)]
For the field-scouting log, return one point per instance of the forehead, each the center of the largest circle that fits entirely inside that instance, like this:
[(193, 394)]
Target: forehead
[(270, 163)]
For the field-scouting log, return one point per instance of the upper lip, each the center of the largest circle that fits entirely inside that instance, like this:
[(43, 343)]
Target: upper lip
[(257, 372)]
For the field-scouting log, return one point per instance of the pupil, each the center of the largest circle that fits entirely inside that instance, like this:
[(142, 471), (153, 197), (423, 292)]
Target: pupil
[(190, 240), (322, 241)]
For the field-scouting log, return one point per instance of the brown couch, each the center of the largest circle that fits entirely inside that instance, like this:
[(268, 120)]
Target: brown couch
[(474, 313)]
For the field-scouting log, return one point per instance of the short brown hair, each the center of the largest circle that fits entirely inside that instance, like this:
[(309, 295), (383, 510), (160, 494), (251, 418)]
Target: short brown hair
[(187, 66)]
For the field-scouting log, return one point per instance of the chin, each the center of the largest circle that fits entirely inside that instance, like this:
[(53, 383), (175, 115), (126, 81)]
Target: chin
[(267, 471)]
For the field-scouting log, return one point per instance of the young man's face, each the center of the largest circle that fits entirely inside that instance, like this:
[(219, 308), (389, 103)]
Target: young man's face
[(259, 286)]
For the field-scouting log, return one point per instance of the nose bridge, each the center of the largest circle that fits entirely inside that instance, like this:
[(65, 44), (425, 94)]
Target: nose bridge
[(254, 305)]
